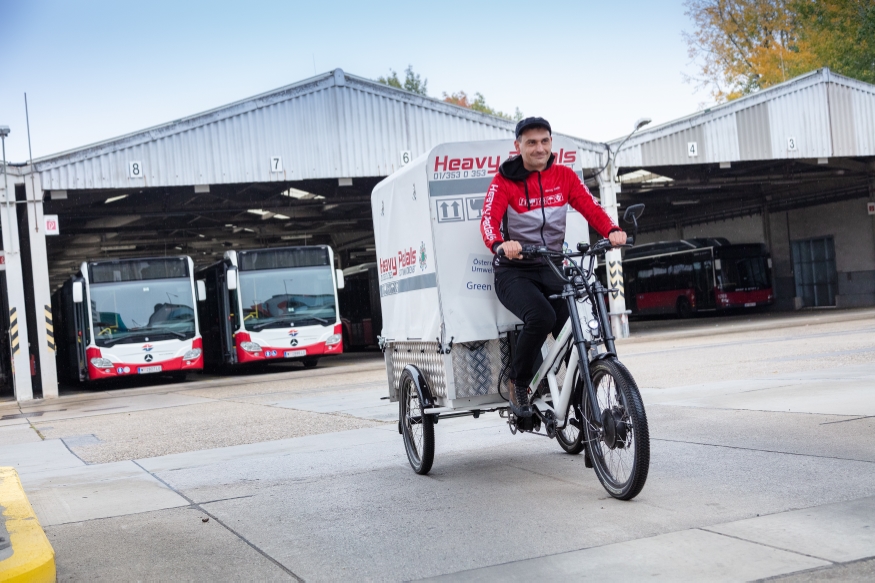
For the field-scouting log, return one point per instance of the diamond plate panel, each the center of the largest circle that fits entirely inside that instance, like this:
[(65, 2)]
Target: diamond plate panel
[(424, 355), (478, 365)]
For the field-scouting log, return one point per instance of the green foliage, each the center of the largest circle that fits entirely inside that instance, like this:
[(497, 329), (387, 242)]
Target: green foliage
[(461, 99), (742, 46), (415, 83), (412, 81), (840, 34)]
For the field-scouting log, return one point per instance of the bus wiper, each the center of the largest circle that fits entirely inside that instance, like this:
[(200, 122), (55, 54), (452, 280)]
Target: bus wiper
[(133, 336), (262, 325), (287, 322), (179, 335)]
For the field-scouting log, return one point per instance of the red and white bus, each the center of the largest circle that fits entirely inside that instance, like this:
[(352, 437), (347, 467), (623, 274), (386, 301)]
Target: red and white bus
[(123, 317), (696, 275), (268, 305)]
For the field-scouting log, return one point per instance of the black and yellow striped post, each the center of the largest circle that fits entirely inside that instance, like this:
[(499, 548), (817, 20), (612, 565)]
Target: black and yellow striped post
[(13, 332), (50, 329), (615, 279)]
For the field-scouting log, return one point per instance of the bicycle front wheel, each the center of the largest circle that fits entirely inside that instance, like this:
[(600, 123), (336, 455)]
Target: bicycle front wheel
[(620, 452)]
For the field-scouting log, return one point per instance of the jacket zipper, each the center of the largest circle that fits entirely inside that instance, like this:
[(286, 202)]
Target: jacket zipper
[(543, 212)]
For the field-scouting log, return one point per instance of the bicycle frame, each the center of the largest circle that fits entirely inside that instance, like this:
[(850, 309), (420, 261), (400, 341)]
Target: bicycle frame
[(572, 332)]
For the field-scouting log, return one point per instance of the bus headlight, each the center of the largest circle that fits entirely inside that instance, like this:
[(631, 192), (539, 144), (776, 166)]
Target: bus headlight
[(250, 347), (192, 354), (101, 362), (333, 339)]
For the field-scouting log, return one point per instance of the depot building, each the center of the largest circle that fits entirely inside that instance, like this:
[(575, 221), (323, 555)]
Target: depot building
[(792, 167)]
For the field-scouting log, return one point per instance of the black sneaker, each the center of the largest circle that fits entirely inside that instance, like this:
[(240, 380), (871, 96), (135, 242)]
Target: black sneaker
[(519, 401)]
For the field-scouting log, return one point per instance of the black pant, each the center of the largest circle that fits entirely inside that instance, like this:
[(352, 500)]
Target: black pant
[(524, 292)]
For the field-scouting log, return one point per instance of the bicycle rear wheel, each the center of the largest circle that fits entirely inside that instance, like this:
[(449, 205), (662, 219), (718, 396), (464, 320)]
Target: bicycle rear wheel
[(571, 438), (416, 429), (620, 453)]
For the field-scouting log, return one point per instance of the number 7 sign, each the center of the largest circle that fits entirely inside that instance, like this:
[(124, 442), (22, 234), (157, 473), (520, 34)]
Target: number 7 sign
[(276, 164)]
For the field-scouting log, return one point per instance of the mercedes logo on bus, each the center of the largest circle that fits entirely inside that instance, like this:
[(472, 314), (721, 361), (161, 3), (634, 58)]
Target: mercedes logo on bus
[(294, 341), (148, 358)]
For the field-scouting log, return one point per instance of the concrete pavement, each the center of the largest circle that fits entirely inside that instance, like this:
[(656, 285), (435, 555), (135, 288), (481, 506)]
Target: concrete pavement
[(761, 469)]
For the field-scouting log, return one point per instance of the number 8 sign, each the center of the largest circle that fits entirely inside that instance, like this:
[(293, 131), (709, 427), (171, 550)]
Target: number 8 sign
[(135, 169)]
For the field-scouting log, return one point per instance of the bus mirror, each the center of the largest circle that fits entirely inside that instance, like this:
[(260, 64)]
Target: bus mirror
[(340, 282), (201, 290), (231, 279), (77, 292)]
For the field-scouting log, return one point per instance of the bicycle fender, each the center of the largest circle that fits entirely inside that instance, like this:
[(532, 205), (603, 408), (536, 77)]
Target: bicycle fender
[(603, 356), (421, 386)]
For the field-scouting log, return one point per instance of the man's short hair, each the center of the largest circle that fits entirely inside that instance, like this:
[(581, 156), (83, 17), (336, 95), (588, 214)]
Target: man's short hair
[(532, 122)]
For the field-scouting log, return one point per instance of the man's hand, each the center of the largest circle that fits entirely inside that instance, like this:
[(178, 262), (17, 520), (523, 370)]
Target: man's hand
[(512, 249), (617, 238)]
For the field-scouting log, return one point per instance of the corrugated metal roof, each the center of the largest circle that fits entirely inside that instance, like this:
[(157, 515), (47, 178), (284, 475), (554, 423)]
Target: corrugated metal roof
[(329, 126), (817, 115)]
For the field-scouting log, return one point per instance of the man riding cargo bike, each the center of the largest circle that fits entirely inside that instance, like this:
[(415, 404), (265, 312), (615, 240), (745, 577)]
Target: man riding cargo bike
[(459, 324), (526, 204)]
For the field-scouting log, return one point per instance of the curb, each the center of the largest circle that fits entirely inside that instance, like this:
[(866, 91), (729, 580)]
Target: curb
[(25, 554)]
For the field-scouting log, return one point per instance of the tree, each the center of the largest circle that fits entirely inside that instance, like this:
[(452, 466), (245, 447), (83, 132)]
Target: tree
[(412, 81), (840, 34), (461, 99), (741, 46)]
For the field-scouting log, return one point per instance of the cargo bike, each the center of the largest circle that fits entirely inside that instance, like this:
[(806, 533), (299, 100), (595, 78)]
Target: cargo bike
[(448, 341)]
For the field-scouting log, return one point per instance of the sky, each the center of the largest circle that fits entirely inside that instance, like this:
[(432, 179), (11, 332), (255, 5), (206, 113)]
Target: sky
[(97, 69)]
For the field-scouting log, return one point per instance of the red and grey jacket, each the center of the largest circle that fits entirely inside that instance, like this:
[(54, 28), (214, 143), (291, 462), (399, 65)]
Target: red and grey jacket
[(530, 207)]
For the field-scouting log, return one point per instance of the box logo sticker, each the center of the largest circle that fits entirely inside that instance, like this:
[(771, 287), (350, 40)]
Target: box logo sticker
[(450, 210), (422, 257)]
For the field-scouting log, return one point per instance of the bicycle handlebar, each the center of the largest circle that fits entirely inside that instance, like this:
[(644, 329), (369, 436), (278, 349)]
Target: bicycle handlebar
[(600, 246)]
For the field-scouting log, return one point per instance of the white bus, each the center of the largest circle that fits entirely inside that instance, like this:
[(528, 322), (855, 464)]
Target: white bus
[(267, 305), (123, 317)]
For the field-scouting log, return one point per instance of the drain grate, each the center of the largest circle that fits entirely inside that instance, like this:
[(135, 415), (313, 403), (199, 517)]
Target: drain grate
[(22, 415), (80, 440)]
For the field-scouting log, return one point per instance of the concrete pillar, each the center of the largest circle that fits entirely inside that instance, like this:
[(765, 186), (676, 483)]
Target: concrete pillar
[(872, 194), (18, 340), (608, 190), (42, 292)]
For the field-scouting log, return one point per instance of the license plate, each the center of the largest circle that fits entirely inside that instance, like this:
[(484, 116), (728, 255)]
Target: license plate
[(750, 304), (148, 369), (294, 353)]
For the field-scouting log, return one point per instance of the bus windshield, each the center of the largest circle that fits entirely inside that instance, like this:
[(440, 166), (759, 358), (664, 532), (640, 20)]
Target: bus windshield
[(141, 311), (743, 273), (277, 298)]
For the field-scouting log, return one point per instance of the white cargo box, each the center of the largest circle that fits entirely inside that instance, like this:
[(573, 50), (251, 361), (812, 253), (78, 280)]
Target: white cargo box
[(437, 291)]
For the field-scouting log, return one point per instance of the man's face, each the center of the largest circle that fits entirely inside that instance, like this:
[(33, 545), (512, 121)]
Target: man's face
[(535, 145)]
